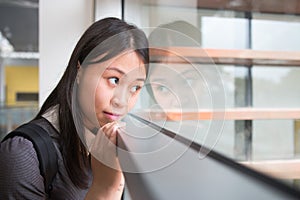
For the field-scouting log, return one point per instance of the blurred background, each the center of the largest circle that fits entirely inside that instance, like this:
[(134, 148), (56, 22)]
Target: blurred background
[(19, 48), (254, 44)]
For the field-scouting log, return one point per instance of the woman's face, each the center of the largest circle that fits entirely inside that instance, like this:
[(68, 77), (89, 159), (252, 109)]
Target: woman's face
[(177, 86), (118, 84), (118, 88)]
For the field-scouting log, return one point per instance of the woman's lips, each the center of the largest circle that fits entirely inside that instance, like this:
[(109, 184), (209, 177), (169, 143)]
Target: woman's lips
[(112, 116)]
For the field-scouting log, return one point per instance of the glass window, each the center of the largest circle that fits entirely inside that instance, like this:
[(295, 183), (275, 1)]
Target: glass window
[(255, 50)]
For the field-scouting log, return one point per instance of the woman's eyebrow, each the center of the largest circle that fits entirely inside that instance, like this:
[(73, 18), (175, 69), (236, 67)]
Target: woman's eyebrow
[(158, 80), (141, 79), (123, 73), (116, 69), (188, 71)]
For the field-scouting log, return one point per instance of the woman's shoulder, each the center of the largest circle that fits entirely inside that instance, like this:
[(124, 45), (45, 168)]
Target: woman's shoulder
[(19, 166), (16, 146), (17, 152)]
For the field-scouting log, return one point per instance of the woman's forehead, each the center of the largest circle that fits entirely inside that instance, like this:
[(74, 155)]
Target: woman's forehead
[(128, 62), (124, 63), (159, 69)]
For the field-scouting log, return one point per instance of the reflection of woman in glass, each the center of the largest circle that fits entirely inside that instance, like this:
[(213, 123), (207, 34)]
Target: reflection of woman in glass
[(107, 68), (179, 84), (183, 86)]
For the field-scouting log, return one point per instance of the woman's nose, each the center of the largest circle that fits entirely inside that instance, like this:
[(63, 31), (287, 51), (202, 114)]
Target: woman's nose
[(120, 98), (181, 98)]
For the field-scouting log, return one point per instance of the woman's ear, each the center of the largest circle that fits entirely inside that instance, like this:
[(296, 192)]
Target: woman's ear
[(79, 72)]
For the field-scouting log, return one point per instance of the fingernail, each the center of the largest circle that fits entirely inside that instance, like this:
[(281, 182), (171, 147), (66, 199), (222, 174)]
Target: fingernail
[(115, 128)]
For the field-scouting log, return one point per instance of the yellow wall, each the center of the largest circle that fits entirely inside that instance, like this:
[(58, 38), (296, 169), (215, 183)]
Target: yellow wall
[(20, 79)]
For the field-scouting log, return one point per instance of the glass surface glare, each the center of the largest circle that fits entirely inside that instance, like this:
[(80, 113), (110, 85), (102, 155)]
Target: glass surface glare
[(170, 93), (231, 25), (176, 92)]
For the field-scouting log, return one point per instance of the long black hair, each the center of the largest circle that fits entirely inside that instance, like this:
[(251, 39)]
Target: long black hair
[(92, 44)]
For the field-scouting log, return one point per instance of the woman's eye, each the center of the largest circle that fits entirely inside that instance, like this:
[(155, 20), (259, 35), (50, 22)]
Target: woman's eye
[(113, 80), (162, 89), (135, 88)]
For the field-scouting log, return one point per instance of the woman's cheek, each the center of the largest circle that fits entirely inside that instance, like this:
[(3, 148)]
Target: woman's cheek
[(86, 92), (102, 91), (132, 101)]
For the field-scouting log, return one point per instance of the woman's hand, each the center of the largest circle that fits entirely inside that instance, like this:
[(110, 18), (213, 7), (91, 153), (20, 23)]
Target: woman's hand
[(108, 179)]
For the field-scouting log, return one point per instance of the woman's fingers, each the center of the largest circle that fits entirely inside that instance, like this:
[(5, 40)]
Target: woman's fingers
[(104, 146), (112, 129)]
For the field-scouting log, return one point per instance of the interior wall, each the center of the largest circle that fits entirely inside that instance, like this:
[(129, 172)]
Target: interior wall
[(61, 23), (20, 79)]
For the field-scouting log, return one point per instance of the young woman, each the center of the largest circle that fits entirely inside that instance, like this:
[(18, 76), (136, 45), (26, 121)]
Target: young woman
[(101, 83)]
